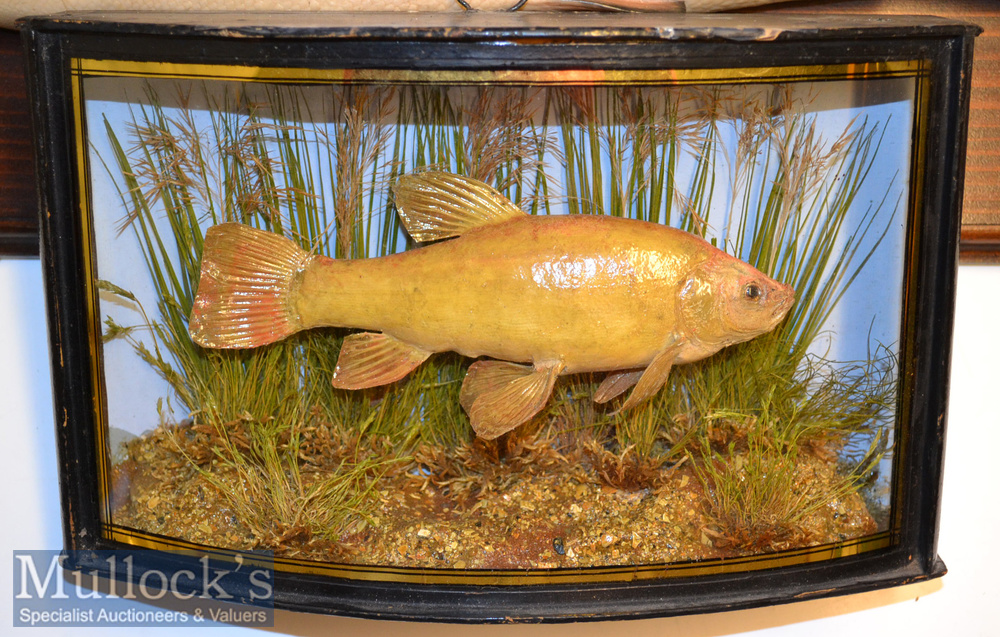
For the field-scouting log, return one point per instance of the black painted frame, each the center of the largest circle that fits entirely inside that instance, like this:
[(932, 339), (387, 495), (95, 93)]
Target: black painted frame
[(529, 42)]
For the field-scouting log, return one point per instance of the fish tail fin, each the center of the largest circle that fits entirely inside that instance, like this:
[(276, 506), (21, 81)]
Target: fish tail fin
[(248, 287)]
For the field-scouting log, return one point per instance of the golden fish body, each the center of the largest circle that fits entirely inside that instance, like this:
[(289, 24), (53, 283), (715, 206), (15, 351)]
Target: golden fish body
[(559, 294), (592, 293)]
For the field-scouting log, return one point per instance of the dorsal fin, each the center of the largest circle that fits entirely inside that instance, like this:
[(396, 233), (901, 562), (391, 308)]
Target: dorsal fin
[(437, 205)]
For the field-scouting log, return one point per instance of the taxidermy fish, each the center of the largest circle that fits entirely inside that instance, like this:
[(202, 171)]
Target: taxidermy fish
[(539, 296)]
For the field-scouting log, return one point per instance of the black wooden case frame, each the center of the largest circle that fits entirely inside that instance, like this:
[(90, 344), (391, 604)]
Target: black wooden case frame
[(937, 53)]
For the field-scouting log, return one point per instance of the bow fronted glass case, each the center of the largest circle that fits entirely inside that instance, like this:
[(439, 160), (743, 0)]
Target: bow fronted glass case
[(505, 317)]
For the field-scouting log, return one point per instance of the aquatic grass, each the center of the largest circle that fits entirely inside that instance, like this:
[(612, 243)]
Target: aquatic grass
[(356, 143), (798, 234), (639, 132), (752, 493), (842, 412), (174, 266), (420, 409), (258, 467), (758, 491), (788, 215), (488, 134)]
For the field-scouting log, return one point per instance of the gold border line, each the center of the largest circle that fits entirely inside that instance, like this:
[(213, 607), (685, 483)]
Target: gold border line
[(89, 256), (907, 325), (581, 575), (870, 70), (88, 68)]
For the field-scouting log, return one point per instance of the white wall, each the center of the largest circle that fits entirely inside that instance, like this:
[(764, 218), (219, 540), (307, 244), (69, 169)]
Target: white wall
[(965, 602)]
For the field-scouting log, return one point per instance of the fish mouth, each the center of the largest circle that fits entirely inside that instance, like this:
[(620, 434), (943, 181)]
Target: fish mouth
[(786, 297)]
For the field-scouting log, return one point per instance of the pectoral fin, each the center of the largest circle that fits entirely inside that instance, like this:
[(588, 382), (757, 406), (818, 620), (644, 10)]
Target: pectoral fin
[(615, 384), (653, 377), (499, 396), (371, 359)]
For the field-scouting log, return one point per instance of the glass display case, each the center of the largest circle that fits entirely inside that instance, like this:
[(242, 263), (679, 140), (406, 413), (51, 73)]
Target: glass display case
[(509, 317)]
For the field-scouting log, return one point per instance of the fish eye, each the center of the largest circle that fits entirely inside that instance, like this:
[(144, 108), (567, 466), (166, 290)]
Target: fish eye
[(752, 291)]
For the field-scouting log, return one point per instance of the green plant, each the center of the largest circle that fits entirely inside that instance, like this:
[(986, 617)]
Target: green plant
[(757, 489)]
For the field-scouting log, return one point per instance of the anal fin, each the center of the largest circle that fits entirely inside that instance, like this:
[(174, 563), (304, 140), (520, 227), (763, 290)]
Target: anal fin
[(370, 359), (499, 396)]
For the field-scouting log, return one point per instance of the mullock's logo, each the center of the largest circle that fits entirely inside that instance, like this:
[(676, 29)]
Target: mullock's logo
[(141, 588)]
